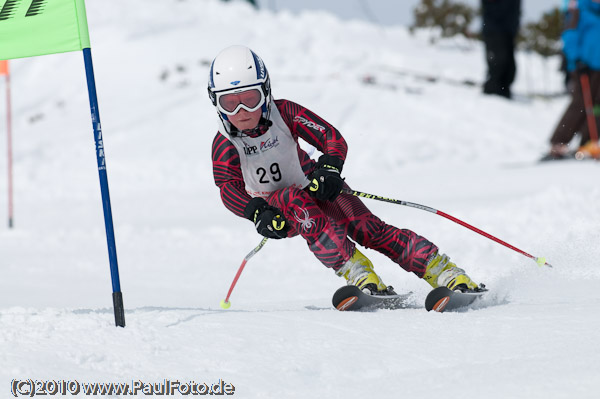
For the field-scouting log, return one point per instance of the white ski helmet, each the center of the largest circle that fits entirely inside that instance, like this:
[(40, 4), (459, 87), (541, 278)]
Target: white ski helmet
[(236, 70)]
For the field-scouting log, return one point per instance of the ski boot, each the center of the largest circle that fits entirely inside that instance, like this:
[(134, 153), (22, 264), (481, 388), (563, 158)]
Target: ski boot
[(358, 271), (441, 272), (590, 150), (557, 152)]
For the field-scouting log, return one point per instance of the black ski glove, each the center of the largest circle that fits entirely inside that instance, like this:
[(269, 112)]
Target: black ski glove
[(582, 68), (326, 182), (269, 221)]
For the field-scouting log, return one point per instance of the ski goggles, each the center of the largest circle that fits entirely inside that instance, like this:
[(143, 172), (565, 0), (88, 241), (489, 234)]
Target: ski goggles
[(249, 99)]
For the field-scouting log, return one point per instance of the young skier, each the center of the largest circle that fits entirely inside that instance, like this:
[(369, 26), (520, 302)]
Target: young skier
[(265, 176)]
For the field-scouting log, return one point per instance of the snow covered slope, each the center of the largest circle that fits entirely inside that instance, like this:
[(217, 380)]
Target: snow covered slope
[(443, 145)]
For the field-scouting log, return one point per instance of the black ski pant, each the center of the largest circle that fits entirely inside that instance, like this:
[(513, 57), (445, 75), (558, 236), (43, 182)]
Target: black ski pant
[(500, 56), (574, 120)]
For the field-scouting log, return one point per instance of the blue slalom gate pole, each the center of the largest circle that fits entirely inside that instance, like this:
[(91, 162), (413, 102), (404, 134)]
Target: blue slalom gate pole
[(108, 222)]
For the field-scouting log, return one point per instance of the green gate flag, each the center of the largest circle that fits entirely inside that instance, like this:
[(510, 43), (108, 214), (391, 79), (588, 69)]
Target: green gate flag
[(38, 27)]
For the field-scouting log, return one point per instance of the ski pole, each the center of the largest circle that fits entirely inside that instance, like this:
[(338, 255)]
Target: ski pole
[(225, 304), (589, 107), (539, 260)]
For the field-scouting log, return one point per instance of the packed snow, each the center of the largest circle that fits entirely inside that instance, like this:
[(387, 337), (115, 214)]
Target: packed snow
[(439, 143)]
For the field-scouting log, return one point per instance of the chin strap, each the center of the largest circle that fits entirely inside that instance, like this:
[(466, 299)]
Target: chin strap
[(263, 125)]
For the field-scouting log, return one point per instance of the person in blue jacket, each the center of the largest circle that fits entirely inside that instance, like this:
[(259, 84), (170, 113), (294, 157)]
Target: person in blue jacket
[(581, 47)]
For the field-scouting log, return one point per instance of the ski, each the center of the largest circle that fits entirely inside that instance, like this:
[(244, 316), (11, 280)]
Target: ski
[(588, 151), (571, 157), (351, 298), (442, 299)]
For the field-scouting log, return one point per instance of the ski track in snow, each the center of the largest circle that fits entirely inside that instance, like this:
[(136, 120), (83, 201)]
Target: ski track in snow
[(440, 144)]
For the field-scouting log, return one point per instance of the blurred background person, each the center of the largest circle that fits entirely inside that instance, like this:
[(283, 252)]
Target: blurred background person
[(501, 21), (581, 46)]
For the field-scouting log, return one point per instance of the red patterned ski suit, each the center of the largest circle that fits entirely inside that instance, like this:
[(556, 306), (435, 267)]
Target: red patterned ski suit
[(326, 226)]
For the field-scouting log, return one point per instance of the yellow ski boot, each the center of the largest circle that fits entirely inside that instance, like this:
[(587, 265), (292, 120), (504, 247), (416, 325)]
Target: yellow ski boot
[(441, 272), (358, 271)]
